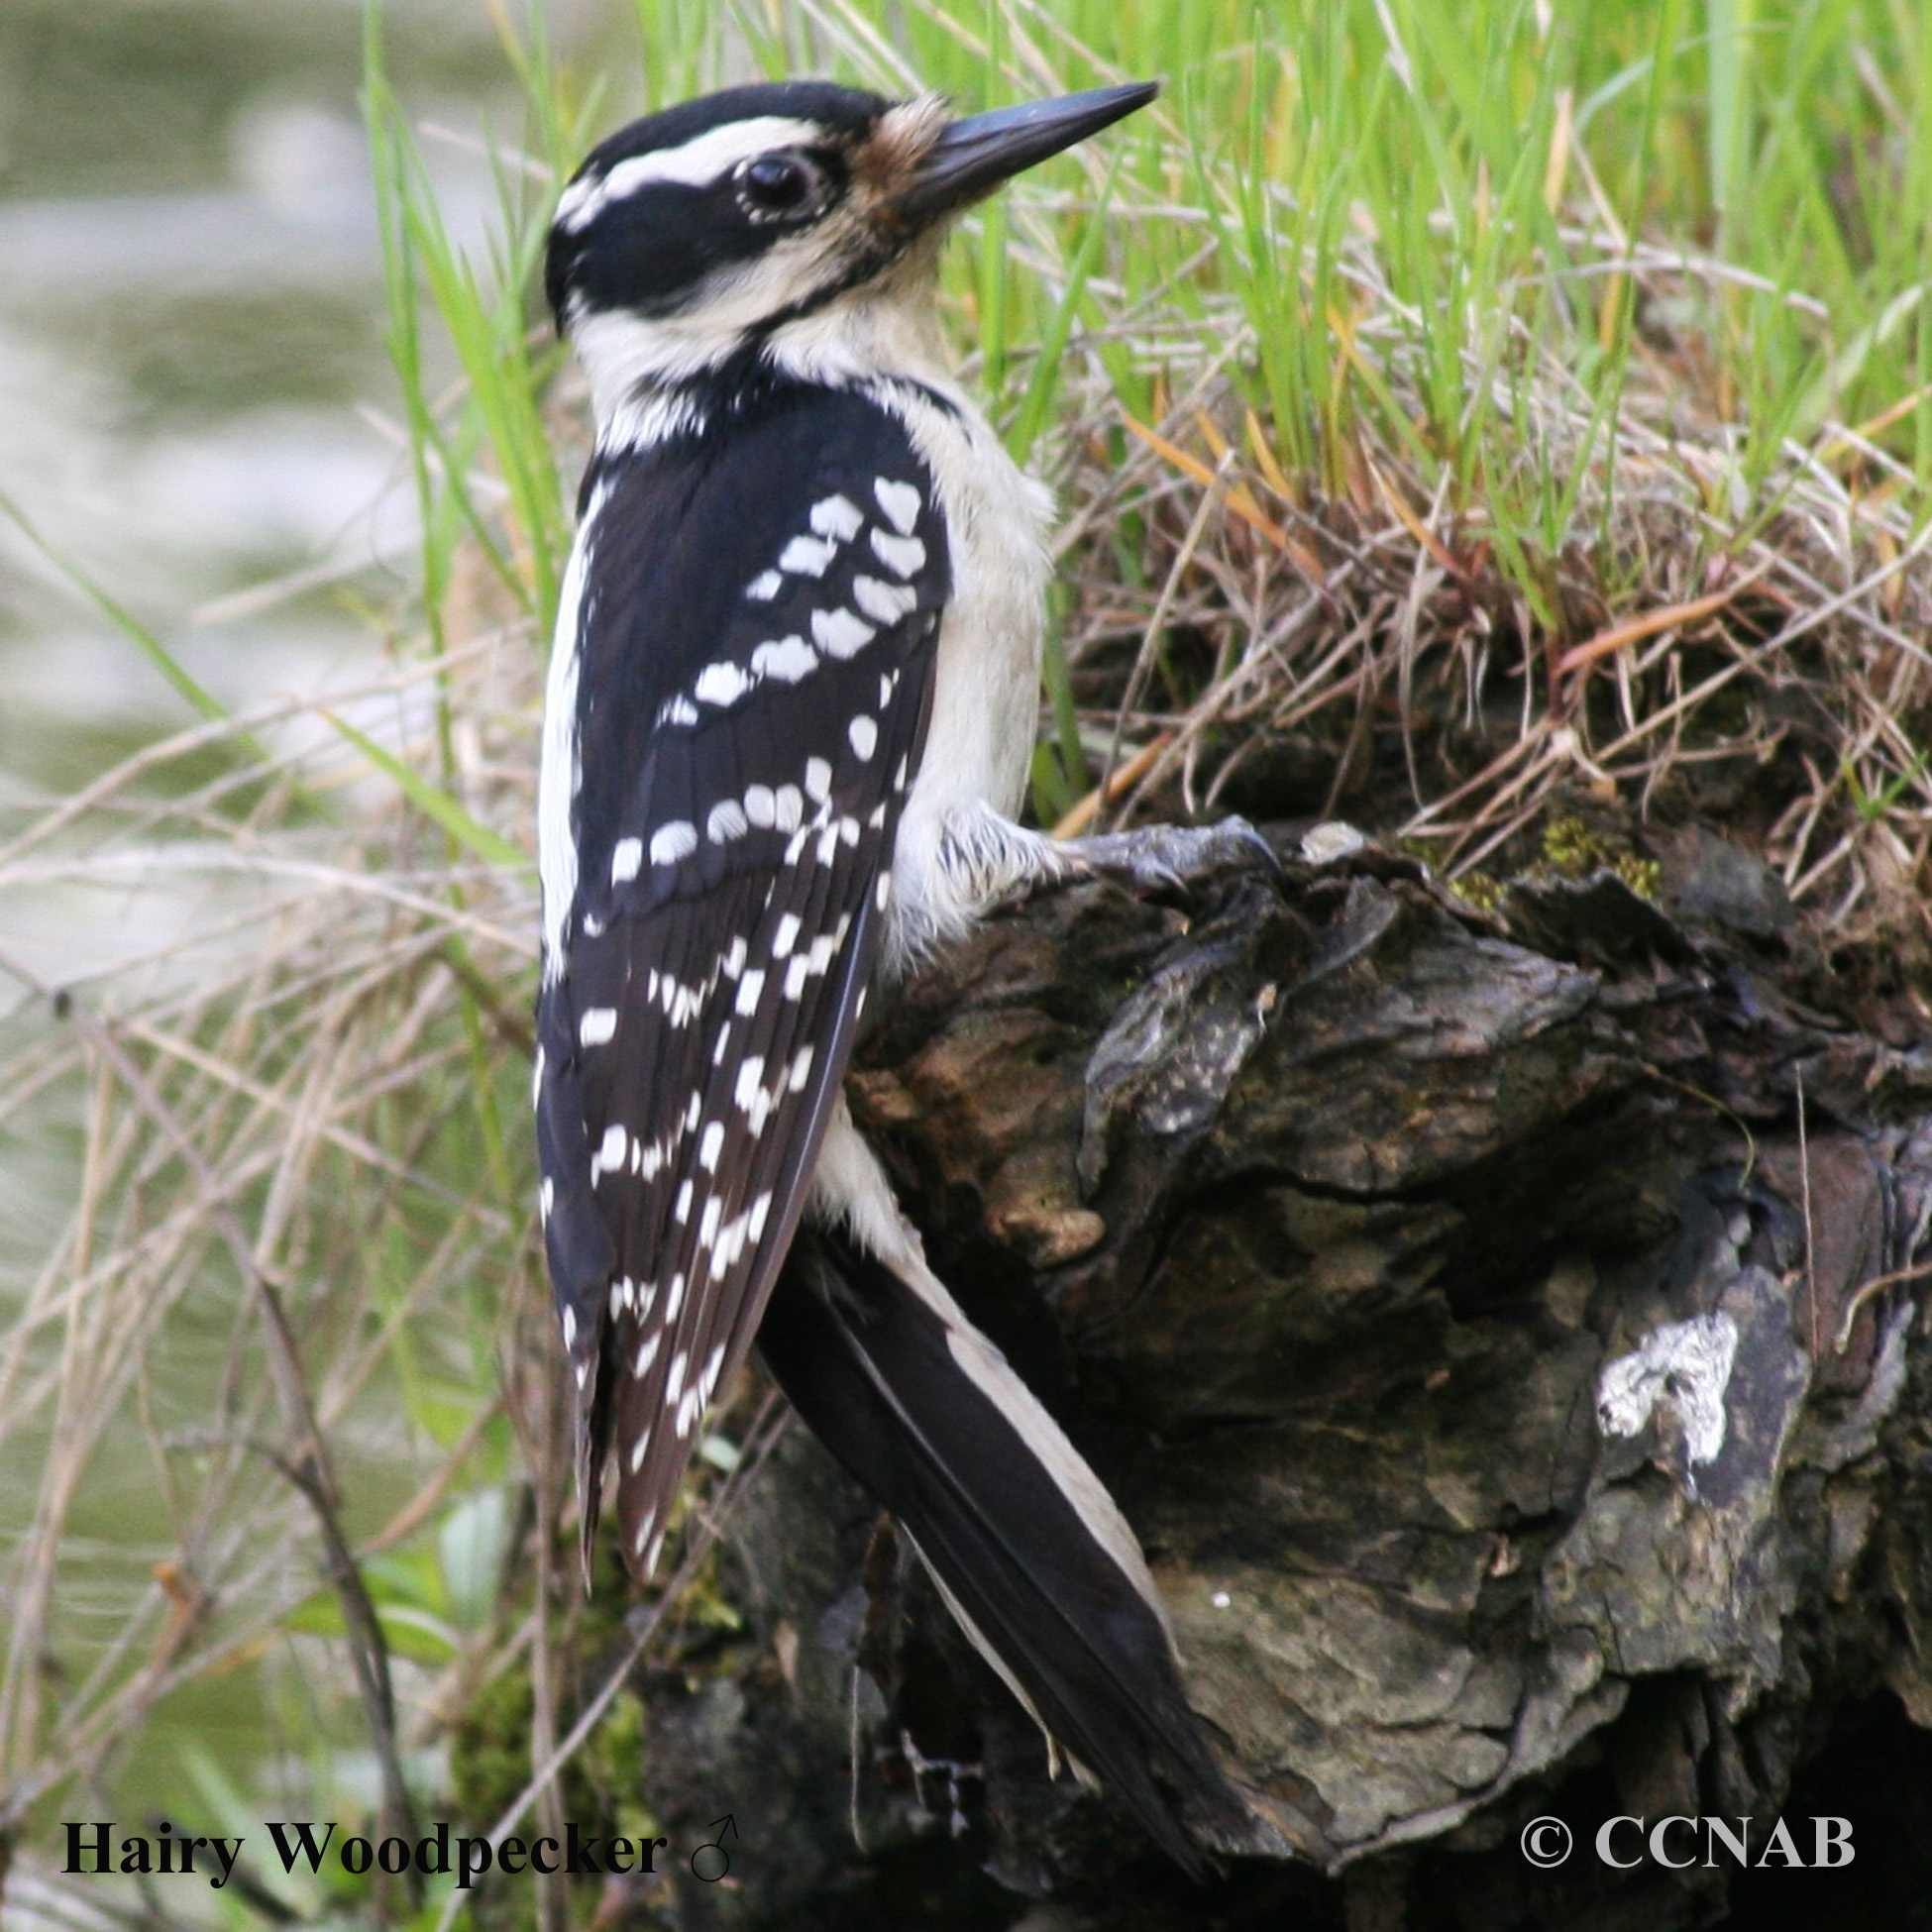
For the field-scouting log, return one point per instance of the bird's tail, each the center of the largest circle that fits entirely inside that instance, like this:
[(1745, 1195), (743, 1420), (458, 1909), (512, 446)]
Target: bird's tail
[(1029, 1550)]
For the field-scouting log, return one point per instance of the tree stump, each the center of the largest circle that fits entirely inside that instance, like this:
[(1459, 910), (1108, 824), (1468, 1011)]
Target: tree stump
[(1500, 1324)]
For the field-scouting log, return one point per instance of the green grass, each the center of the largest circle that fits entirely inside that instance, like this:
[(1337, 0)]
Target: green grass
[(1403, 237), (1367, 290)]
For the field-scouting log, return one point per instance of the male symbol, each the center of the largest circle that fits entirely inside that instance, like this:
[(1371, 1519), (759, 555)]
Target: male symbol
[(722, 1826)]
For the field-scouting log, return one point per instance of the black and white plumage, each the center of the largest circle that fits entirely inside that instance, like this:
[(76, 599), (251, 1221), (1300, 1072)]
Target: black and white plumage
[(745, 740), (790, 712)]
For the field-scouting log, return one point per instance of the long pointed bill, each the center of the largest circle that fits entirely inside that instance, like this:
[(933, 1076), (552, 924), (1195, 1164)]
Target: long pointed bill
[(974, 156)]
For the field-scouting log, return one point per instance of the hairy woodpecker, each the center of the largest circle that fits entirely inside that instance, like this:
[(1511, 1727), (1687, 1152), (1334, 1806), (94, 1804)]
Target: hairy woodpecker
[(789, 716)]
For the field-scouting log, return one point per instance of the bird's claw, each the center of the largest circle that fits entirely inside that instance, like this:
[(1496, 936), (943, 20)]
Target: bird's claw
[(1178, 858)]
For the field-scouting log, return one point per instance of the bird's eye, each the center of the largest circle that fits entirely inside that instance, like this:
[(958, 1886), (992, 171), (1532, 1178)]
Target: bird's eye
[(777, 187)]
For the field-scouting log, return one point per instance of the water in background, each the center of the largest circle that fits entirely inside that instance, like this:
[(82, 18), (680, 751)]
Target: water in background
[(194, 395)]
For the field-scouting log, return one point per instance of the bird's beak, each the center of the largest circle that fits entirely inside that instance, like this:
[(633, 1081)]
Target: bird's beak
[(974, 156)]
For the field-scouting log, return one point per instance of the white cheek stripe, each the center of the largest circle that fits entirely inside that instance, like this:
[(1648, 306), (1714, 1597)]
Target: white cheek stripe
[(698, 162)]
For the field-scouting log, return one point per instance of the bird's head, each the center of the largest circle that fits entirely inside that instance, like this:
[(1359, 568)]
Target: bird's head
[(696, 234)]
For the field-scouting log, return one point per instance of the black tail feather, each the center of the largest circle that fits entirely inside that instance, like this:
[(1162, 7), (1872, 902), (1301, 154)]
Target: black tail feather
[(870, 1362)]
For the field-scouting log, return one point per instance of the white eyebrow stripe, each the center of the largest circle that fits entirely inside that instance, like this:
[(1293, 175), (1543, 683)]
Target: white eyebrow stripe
[(695, 163)]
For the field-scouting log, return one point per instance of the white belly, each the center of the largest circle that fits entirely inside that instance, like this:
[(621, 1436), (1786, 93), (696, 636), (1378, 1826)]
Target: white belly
[(986, 701)]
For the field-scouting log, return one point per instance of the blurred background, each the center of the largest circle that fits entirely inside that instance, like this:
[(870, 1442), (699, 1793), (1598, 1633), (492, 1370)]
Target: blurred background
[(199, 423), (196, 408)]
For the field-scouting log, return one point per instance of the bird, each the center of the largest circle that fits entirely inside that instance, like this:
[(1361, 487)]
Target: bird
[(787, 722)]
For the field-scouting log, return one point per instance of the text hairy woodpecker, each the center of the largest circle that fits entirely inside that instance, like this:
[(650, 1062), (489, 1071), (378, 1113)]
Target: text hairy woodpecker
[(790, 713)]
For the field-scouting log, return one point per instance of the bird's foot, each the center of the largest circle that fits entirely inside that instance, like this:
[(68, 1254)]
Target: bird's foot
[(1171, 859)]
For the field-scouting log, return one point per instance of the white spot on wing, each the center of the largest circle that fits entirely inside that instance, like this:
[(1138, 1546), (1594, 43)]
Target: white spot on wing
[(765, 587), (727, 821), (626, 856), (836, 516), (882, 603), (751, 1074), (900, 501), (761, 807), (609, 1156), (787, 659), (864, 734), (672, 842), (840, 634), (905, 555), (806, 556), (597, 1027), (817, 780), (721, 683)]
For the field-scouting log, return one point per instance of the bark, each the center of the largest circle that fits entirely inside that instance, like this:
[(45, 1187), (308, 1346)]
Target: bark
[(1501, 1329)]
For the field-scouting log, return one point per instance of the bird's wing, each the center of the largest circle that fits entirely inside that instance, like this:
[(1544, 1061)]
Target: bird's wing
[(744, 675)]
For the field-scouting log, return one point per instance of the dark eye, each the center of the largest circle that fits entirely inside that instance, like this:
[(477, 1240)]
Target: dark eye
[(771, 187)]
